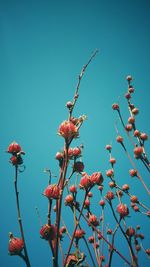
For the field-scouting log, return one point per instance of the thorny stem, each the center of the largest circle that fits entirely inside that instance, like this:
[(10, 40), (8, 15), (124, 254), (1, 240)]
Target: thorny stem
[(129, 244), (19, 216)]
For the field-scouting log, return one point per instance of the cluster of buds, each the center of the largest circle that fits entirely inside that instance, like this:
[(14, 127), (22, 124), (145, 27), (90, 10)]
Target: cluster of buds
[(16, 151), (87, 181), (52, 191), (16, 245), (68, 130), (73, 153)]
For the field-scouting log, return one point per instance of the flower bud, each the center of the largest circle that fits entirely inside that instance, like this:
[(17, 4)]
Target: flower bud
[(68, 130), (52, 191), (123, 210), (14, 148), (16, 244)]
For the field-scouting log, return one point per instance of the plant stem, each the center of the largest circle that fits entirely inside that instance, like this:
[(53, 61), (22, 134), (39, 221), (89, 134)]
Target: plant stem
[(19, 216), (75, 228), (59, 201), (134, 261), (112, 247)]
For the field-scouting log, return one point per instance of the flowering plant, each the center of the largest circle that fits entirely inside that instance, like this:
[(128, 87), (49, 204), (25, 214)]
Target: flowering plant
[(75, 189)]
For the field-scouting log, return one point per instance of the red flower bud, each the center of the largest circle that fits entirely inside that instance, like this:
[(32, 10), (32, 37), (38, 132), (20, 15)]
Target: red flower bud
[(93, 220), (108, 147), (59, 155), (70, 152), (110, 173), (48, 232), (144, 136), (129, 127), (86, 203), (85, 182), (119, 139), (90, 194), (138, 151), (16, 245), (137, 133), (69, 200), (134, 199), (112, 160), (112, 184), (136, 208), (130, 231), (123, 210), (78, 166), (69, 104), (135, 111), (102, 203), (73, 189), (68, 130), (79, 233), (96, 178), (125, 187), (127, 96), (14, 148), (52, 191), (131, 89), (115, 106), (109, 195), (133, 172), (131, 119), (76, 151)]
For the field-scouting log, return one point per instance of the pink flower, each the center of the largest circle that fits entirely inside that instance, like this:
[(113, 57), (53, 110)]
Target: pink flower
[(68, 130)]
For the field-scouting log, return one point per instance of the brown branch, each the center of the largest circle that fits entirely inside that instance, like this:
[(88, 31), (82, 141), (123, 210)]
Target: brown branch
[(19, 216)]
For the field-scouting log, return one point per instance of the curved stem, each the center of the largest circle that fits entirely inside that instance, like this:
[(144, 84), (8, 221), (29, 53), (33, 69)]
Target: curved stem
[(19, 216), (79, 81)]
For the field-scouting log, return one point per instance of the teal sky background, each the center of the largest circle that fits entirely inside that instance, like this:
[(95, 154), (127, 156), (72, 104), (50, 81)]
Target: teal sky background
[(43, 46)]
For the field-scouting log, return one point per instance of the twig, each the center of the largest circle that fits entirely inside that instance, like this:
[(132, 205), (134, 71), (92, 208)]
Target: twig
[(19, 216)]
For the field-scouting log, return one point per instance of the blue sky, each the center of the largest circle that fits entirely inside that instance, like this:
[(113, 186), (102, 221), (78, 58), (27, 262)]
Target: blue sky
[(43, 46)]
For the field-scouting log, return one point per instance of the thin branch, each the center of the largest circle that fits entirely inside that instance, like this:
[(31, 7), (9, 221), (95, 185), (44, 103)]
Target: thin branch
[(19, 216)]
